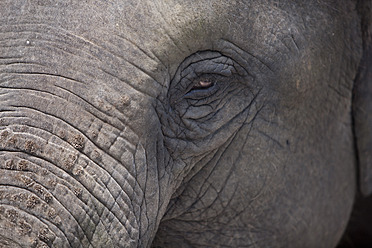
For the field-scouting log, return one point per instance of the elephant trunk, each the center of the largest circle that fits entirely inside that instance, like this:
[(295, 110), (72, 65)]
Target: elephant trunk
[(72, 181), (82, 157)]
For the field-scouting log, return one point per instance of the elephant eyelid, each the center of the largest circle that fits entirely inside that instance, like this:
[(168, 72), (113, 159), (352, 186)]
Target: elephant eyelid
[(203, 74)]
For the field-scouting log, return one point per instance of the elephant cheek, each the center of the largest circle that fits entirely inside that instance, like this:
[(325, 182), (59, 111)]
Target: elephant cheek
[(67, 194)]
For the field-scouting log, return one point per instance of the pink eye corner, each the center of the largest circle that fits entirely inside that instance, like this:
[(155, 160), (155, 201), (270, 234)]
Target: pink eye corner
[(203, 84)]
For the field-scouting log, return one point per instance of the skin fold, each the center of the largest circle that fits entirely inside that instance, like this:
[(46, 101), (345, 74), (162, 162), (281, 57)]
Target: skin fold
[(177, 123)]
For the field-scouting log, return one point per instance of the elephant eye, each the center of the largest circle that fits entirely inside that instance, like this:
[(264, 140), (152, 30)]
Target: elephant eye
[(207, 91), (205, 86), (202, 84), (203, 75)]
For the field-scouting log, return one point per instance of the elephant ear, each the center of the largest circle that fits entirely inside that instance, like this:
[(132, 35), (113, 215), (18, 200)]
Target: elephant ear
[(362, 103)]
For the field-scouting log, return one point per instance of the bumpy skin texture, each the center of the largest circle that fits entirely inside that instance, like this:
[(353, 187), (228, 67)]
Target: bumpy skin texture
[(109, 137)]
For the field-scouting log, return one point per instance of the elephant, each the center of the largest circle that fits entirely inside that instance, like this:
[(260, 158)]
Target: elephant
[(166, 123)]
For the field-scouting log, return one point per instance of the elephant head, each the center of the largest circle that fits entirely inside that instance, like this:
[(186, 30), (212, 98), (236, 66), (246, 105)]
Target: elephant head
[(182, 123)]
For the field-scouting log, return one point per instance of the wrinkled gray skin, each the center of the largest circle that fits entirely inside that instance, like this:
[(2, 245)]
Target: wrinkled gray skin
[(177, 123)]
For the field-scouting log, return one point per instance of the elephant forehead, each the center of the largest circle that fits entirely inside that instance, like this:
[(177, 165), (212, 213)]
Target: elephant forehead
[(175, 29), (172, 30), (144, 41)]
